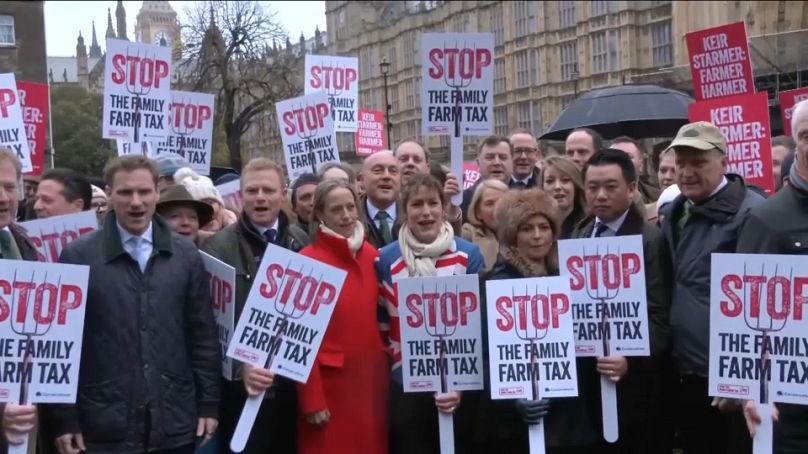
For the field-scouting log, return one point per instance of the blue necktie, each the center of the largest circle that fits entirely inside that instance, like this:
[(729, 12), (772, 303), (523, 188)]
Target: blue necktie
[(270, 235)]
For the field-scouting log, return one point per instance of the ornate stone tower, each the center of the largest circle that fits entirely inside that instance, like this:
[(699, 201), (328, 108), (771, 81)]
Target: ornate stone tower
[(110, 29), (95, 49), (120, 15), (157, 24), (82, 70)]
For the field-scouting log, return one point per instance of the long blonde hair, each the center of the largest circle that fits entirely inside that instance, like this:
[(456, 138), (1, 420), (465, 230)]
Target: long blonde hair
[(565, 165), (477, 197)]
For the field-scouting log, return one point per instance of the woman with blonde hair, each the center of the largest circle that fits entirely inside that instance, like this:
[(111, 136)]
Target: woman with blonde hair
[(481, 229), (561, 179)]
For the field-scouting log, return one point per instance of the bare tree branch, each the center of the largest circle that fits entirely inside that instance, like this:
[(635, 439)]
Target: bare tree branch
[(229, 54)]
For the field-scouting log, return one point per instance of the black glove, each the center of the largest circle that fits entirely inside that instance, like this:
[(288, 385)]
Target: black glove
[(532, 411)]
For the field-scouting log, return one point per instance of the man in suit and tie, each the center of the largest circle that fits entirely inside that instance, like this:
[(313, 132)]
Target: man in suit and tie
[(610, 181)]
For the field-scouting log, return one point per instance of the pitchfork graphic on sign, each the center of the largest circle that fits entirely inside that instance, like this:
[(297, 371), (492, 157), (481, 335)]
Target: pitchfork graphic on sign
[(752, 316), (29, 328), (457, 82), (137, 89), (310, 131), (532, 333), (441, 331), (181, 127), (331, 88), (288, 312), (608, 389)]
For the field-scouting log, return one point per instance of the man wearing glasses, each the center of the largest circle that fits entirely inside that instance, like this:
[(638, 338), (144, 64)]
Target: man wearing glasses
[(526, 154)]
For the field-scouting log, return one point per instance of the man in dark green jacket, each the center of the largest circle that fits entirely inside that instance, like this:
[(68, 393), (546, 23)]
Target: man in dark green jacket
[(242, 245), (150, 361), (611, 184)]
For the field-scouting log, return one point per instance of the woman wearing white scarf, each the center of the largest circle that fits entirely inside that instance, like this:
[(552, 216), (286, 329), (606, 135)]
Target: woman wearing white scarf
[(426, 247), (343, 405)]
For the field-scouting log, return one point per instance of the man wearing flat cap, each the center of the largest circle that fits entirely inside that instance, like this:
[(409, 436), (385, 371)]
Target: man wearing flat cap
[(704, 219)]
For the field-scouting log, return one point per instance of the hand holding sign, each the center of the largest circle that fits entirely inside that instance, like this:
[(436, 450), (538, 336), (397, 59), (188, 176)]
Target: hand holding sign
[(282, 325)]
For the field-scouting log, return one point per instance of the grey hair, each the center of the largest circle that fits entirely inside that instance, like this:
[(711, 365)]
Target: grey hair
[(801, 109), (6, 154), (337, 165)]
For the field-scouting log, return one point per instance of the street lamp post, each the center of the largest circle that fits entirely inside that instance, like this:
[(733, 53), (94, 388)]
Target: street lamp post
[(384, 66)]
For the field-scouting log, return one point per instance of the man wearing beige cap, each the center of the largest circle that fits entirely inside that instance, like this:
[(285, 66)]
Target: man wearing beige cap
[(704, 219)]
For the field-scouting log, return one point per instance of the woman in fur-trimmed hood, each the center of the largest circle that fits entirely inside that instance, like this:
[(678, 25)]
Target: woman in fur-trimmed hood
[(528, 227)]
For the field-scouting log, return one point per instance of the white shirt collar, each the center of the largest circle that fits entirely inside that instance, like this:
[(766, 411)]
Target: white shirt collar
[(372, 211), (525, 180), (275, 225), (126, 236), (615, 225), (720, 186)]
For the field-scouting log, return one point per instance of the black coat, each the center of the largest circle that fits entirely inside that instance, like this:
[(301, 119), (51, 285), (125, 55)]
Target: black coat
[(500, 427), (780, 226), (638, 392), (150, 360)]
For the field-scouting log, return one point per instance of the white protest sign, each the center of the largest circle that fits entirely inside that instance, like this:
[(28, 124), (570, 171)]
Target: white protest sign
[(457, 90), (338, 77), (307, 131), (51, 235), (12, 128), (530, 343), (137, 89), (126, 148), (231, 194), (222, 279), (606, 277), (286, 313), (42, 309), (759, 328), (441, 340), (607, 286), (190, 129), (283, 322)]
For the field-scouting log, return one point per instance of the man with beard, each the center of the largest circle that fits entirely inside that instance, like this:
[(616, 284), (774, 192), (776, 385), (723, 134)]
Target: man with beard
[(526, 154), (381, 178), (242, 246), (495, 158)]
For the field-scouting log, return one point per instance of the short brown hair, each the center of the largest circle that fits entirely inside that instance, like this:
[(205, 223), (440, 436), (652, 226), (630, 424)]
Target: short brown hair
[(493, 141), (417, 182), (784, 141), (414, 140), (256, 164), (129, 164), (345, 167)]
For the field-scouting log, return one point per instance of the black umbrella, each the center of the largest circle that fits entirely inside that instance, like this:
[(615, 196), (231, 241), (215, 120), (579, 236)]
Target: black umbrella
[(638, 111)]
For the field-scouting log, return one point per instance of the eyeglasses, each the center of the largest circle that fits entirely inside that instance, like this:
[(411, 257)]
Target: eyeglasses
[(524, 150)]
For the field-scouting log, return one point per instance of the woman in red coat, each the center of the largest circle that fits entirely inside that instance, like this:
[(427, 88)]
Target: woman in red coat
[(343, 406)]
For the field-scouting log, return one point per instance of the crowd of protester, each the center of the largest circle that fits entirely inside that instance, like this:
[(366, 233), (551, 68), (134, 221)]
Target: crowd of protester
[(150, 368)]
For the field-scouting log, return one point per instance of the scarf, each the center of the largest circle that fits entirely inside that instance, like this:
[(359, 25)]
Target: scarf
[(420, 258), (354, 242), (549, 267), (796, 180)]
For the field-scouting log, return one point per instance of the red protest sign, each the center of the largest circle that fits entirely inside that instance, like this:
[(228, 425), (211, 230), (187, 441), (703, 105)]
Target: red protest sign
[(719, 62), (34, 104), (789, 99), (471, 173), (744, 123), (370, 136)]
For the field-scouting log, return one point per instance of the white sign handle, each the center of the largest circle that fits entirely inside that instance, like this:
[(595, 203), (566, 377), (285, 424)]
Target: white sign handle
[(608, 401), (446, 432), (535, 434), (764, 434), (245, 422), (22, 448), (457, 167)]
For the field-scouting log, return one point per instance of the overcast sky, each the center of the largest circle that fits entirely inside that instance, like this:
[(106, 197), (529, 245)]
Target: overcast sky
[(64, 20)]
